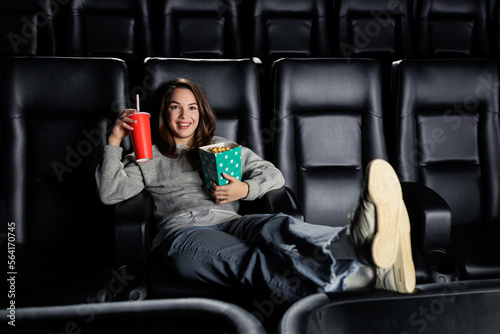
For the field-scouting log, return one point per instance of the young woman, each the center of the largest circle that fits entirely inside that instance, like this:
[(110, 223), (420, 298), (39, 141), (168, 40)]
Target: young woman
[(202, 237)]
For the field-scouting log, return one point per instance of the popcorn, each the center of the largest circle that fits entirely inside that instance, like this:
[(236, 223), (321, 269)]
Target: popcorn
[(218, 149)]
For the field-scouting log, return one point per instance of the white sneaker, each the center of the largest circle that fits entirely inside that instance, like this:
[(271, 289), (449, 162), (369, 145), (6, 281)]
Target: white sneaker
[(401, 276), (375, 223)]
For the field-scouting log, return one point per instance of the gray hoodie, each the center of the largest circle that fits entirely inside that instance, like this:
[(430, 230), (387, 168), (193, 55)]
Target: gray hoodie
[(175, 187)]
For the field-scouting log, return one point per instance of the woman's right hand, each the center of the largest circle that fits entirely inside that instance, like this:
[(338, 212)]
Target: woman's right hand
[(122, 127)]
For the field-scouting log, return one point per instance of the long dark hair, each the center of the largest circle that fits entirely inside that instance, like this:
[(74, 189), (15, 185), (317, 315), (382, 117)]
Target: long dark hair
[(203, 133)]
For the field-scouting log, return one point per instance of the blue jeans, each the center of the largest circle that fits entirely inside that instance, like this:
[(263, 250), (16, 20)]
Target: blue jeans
[(275, 252)]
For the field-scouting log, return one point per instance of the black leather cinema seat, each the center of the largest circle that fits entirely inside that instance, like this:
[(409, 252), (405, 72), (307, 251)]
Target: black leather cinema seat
[(328, 127), (495, 32), (190, 316), (454, 29), (197, 29), (27, 28), (93, 28), (460, 307), (449, 141), (286, 28), (232, 88), (376, 29), (52, 117)]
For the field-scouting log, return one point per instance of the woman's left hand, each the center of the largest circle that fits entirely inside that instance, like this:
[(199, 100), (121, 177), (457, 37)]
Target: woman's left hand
[(230, 192)]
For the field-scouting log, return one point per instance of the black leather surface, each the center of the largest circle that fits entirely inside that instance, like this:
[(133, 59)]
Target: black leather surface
[(270, 30), (447, 28), (495, 31), (373, 29), (53, 119), (197, 29), (436, 308), (186, 315), (284, 28), (448, 140), (122, 29), (328, 126), (107, 28), (430, 216), (477, 249), (20, 37)]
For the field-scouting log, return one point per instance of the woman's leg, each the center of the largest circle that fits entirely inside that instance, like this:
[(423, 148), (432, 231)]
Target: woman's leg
[(294, 258), (374, 250), (210, 255), (321, 258)]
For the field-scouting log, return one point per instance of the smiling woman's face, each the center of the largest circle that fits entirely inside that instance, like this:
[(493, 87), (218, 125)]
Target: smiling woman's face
[(183, 115)]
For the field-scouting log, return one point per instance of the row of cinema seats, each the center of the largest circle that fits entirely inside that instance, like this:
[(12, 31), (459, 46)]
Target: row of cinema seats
[(434, 311), (183, 315), (385, 30), (268, 29), (328, 124)]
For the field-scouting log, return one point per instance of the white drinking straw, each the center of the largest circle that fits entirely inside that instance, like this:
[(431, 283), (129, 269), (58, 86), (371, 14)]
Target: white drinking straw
[(137, 101)]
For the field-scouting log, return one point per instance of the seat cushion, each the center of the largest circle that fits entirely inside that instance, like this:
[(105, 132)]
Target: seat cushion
[(477, 250)]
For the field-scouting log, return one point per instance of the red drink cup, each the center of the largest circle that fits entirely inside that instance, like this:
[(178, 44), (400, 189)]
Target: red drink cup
[(141, 136)]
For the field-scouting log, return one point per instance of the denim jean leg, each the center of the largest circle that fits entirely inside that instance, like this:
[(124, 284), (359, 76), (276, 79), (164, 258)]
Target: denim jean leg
[(323, 257), (209, 255), (303, 248)]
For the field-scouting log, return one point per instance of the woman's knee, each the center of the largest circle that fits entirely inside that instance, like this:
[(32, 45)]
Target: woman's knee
[(179, 265)]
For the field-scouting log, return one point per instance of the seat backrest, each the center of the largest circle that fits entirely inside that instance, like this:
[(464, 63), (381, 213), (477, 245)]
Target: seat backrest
[(113, 28), (197, 29), (448, 135), (231, 87), (52, 112), (180, 315), (328, 127), (477, 302), (286, 28), (448, 28), (377, 29), (27, 28)]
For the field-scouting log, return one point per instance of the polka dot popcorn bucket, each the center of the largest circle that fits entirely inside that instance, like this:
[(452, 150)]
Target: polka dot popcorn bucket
[(220, 158)]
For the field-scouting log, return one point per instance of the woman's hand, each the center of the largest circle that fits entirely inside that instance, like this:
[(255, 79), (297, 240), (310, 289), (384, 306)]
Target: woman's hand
[(121, 129), (230, 192)]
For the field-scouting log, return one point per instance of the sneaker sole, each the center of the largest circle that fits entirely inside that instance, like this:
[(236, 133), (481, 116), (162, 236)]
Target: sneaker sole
[(385, 191), (404, 268)]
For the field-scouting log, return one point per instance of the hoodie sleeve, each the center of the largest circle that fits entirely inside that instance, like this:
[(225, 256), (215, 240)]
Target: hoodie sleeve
[(117, 180)]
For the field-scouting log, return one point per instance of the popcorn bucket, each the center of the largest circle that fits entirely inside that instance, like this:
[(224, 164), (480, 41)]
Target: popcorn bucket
[(220, 158)]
